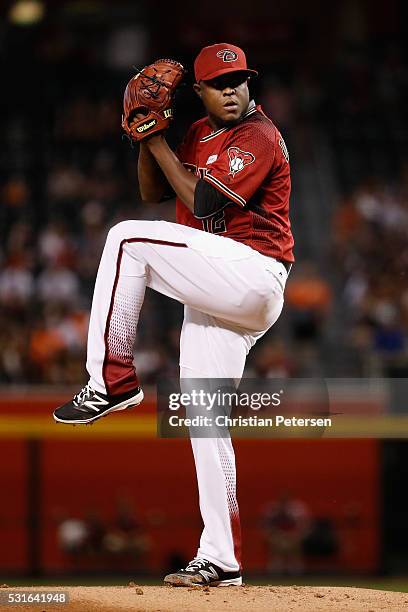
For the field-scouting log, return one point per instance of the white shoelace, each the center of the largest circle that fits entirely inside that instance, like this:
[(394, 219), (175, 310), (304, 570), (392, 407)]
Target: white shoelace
[(196, 563), (83, 395)]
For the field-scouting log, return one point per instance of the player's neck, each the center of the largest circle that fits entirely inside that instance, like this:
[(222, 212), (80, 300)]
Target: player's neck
[(216, 124)]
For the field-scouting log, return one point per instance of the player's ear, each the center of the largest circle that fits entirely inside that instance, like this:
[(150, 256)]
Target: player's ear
[(197, 89)]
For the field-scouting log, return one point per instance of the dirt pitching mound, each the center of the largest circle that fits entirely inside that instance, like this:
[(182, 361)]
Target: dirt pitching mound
[(139, 598)]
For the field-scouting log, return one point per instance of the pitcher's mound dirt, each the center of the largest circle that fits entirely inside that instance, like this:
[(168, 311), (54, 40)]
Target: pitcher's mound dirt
[(139, 598)]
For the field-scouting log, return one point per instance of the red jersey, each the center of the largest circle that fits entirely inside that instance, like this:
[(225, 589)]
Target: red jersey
[(249, 163)]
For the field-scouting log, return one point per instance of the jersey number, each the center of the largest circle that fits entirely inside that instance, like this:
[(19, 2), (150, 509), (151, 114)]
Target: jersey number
[(215, 224)]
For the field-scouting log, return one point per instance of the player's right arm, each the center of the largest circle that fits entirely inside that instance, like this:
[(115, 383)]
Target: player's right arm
[(153, 185)]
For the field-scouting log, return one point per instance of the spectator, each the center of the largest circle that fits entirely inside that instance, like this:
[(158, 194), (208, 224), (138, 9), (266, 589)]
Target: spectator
[(286, 524), (72, 535), (126, 536)]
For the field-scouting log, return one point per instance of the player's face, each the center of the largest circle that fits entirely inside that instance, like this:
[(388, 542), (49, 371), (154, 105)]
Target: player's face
[(225, 98)]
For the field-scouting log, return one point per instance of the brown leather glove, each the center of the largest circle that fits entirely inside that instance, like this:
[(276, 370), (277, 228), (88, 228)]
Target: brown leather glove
[(147, 101)]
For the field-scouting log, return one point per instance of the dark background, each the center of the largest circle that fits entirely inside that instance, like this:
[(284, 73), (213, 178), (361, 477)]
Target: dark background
[(333, 77)]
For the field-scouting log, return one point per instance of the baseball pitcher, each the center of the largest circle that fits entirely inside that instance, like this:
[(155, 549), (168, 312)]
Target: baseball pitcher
[(226, 259)]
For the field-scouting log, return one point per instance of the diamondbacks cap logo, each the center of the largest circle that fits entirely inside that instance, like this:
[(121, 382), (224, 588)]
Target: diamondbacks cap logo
[(227, 55), (238, 160)]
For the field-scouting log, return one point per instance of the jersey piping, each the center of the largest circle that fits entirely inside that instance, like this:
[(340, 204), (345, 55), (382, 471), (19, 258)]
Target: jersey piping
[(222, 130), (226, 190)]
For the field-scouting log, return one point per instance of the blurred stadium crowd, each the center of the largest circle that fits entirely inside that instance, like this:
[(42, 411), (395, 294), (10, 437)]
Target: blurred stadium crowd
[(68, 176)]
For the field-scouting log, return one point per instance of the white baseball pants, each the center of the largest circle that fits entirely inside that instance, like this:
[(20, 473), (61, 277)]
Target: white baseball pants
[(232, 296)]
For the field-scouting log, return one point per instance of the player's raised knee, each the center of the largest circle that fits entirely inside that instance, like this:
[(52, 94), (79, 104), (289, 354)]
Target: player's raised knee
[(123, 230)]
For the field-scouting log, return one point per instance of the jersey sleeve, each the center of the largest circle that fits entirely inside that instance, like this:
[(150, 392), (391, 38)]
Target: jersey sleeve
[(208, 200), (243, 164)]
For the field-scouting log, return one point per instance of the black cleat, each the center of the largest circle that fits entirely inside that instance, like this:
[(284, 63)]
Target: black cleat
[(90, 405), (200, 572)]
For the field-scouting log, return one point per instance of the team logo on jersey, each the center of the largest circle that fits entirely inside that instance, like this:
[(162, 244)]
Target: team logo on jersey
[(212, 159), (238, 160), (284, 148), (227, 55)]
